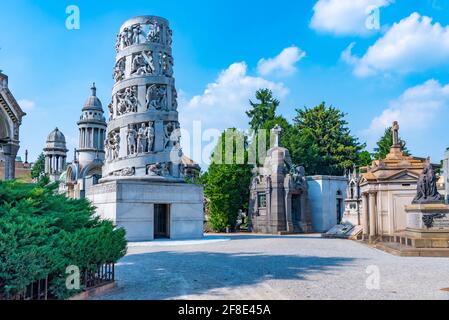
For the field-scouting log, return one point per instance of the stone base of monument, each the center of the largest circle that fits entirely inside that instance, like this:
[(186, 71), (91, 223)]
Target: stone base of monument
[(428, 225), (151, 209)]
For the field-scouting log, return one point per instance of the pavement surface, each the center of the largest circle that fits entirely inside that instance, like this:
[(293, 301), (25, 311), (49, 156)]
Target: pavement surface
[(254, 267)]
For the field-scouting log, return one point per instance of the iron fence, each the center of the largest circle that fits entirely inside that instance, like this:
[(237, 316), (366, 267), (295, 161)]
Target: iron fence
[(103, 275)]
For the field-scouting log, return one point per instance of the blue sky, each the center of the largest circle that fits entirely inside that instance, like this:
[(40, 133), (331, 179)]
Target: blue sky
[(307, 51)]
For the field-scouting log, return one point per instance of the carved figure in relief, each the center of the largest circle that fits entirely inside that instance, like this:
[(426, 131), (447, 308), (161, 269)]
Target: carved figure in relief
[(119, 70), (151, 136), (127, 101), (137, 31), (143, 63), (156, 97), (132, 140), (174, 100), (115, 145), (154, 34), (142, 139)]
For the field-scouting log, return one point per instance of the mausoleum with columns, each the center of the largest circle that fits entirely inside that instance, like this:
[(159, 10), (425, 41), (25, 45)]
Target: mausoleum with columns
[(387, 186)]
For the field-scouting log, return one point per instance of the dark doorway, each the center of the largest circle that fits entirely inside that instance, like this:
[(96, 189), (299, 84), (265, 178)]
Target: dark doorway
[(296, 209), (161, 221), (339, 211)]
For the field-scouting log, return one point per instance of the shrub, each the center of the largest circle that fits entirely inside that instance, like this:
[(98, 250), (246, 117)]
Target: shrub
[(42, 233)]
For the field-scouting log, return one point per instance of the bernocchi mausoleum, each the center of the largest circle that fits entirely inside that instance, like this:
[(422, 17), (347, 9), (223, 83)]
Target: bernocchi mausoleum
[(143, 187)]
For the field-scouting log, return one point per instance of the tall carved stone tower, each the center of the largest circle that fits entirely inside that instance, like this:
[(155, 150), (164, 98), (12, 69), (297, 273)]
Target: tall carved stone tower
[(142, 188), (143, 130)]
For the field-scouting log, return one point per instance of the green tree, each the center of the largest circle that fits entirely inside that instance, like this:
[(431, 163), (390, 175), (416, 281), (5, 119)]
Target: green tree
[(226, 185), (385, 143), (365, 159), (38, 169), (263, 110), (322, 142)]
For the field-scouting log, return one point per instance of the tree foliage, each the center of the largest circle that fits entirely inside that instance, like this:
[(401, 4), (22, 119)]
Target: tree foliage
[(42, 233), (322, 141), (38, 168), (263, 110), (385, 143), (226, 185)]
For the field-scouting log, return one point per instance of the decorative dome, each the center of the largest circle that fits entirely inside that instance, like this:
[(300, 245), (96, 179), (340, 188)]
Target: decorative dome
[(93, 103), (56, 140), (56, 136)]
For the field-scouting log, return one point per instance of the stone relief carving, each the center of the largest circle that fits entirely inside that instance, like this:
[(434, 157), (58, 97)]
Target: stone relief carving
[(174, 100), (111, 110), (159, 169), (142, 63), (127, 100), (126, 172), (154, 33), (167, 65), (112, 145), (140, 138), (132, 140), (119, 70), (136, 34), (169, 37), (156, 97), (128, 37), (298, 176), (172, 135)]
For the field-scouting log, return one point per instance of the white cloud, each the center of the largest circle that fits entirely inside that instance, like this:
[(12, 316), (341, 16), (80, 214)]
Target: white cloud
[(416, 109), (347, 17), (222, 105), (414, 44), (283, 64), (224, 102), (27, 105)]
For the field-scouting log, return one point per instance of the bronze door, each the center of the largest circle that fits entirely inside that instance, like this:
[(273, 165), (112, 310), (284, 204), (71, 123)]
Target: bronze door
[(161, 221)]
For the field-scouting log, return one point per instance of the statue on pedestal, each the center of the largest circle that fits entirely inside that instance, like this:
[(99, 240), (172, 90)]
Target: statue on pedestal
[(427, 191)]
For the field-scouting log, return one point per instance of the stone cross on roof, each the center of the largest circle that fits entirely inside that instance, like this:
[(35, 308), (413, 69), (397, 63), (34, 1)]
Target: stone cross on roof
[(277, 132), (395, 134)]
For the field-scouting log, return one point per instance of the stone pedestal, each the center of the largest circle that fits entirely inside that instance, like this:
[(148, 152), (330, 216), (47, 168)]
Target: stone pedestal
[(428, 225), (131, 204)]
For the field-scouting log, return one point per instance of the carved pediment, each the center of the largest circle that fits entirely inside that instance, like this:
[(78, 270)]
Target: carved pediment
[(401, 176)]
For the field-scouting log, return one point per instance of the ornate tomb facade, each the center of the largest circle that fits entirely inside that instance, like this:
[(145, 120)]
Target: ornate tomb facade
[(10, 121), (143, 187), (353, 200), (279, 201)]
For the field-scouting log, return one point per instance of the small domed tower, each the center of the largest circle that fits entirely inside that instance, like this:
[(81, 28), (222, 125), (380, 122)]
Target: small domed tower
[(92, 128), (55, 154)]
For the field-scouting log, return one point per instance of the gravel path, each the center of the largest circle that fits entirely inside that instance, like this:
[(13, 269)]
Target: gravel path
[(280, 268)]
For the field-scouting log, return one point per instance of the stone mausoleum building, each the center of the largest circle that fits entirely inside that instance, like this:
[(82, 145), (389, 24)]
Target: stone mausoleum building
[(10, 121), (387, 186), (279, 198), (283, 200), (143, 187)]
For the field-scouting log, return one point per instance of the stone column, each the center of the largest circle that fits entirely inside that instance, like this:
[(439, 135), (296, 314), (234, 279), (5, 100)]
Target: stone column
[(365, 223), (9, 171), (372, 216)]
